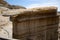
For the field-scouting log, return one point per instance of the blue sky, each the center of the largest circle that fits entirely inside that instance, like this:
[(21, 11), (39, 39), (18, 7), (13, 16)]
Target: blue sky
[(35, 3)]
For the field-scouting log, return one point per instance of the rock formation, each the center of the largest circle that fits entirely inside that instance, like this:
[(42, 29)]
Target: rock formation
[(5, 4), (16, 7)]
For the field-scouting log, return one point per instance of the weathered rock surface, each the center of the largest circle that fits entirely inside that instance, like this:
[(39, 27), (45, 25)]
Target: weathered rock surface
[(5, 23), (5, 27)]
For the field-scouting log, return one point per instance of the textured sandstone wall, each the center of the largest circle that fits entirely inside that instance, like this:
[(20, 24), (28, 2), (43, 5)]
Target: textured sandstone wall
[(5, 27)]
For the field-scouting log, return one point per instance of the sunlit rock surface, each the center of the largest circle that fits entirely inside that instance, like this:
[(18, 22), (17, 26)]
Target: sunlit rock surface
[(5, 24), (5, 27)]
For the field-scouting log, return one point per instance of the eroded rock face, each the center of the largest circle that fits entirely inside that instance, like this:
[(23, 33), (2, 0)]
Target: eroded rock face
[(5, 23), (5, 27)]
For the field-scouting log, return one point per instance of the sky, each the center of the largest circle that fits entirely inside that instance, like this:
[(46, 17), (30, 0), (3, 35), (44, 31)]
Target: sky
[(35, 3)]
